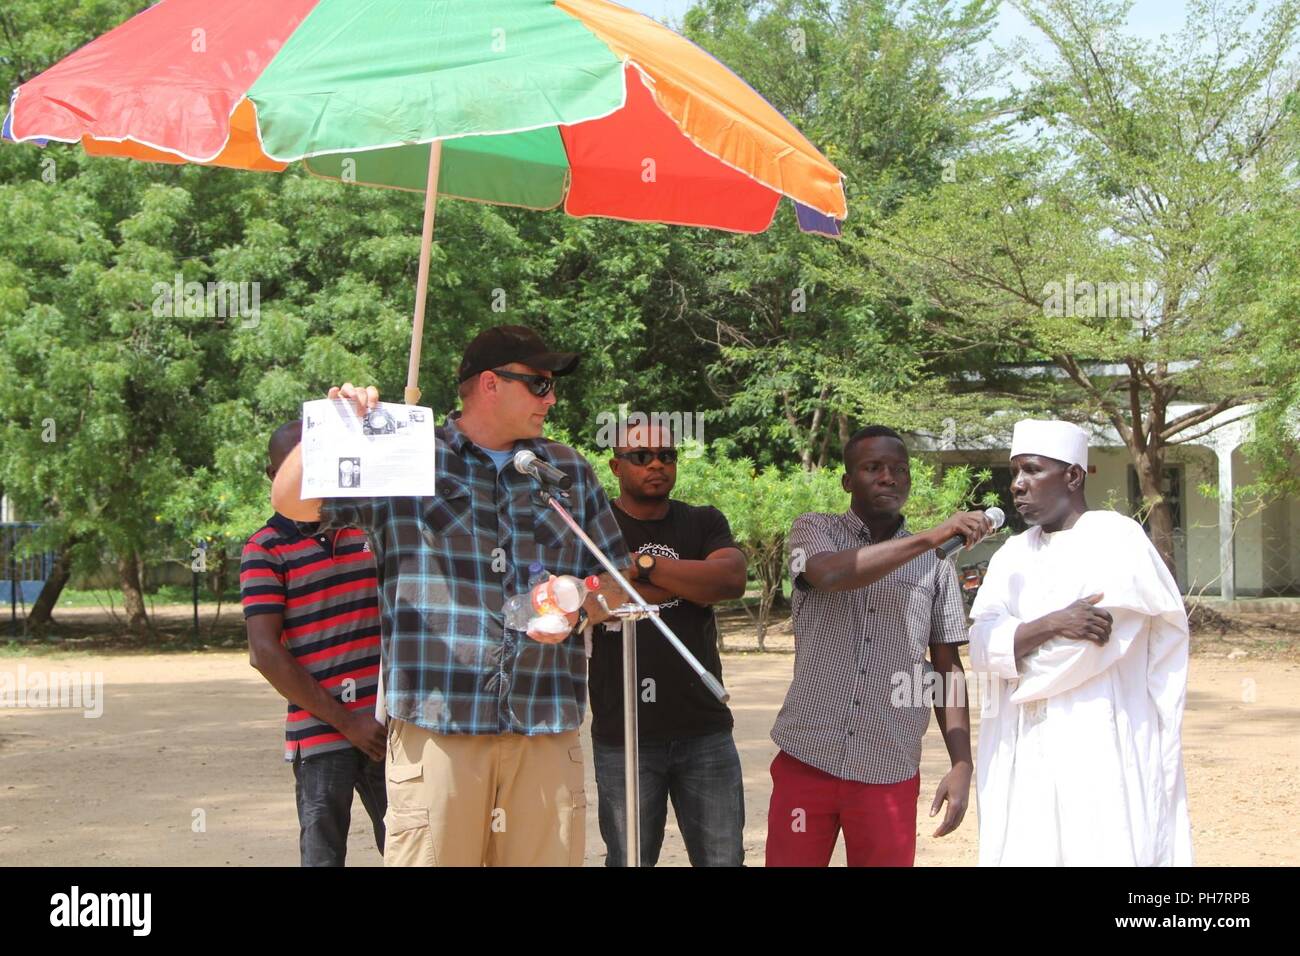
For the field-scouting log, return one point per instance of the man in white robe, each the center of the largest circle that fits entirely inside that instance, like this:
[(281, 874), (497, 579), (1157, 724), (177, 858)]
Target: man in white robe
[(1080, 637)]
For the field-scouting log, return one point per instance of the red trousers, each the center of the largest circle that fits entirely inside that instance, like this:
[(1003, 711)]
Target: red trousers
[(809, 808)]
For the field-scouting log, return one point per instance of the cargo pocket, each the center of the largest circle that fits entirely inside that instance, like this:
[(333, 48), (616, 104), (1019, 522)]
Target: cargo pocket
[(408, 841), (404, 786)]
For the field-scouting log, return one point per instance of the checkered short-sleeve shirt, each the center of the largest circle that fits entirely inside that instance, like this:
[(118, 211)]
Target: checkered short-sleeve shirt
[(860, 656)]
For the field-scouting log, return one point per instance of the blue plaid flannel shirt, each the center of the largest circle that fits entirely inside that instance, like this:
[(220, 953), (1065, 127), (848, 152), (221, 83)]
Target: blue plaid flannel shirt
[(450, 665)]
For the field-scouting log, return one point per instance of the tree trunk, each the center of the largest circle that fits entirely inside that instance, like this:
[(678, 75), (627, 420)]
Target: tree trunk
[(42, 611), (128, 573), (779, 601), (770, 567), (805, 443), (764, 613), (1150, 466), (218, 568)]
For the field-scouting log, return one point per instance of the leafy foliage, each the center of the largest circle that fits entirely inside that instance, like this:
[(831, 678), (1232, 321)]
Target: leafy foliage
[(135, 428)]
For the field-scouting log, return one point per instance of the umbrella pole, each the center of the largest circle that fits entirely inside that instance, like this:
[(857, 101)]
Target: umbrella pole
[(412, 394)]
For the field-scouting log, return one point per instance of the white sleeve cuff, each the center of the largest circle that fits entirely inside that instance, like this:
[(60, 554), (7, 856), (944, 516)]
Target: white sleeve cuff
[(993, 646)]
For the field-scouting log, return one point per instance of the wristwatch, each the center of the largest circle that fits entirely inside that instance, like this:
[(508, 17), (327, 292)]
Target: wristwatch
[(645, 565)]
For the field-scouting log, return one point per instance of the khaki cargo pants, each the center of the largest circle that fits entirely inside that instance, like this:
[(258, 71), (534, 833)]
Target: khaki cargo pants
[(484, 800)]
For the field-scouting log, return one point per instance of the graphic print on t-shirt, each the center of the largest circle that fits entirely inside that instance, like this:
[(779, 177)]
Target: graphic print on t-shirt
[(682, 706)]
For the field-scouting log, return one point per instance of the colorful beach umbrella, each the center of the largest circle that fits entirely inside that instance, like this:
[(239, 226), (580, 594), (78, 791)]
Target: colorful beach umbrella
[(582, 105)]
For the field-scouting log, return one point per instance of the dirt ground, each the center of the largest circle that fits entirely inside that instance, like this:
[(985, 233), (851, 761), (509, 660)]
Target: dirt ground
[(195, 736)]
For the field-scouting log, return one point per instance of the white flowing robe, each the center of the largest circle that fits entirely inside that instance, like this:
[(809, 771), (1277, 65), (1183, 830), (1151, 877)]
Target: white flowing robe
[(1080, 750)]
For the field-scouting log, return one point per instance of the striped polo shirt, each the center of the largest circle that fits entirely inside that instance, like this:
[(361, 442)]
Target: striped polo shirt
[(324, 587)]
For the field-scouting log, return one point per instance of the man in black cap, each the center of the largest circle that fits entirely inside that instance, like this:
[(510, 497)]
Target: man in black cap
[(484, 764)]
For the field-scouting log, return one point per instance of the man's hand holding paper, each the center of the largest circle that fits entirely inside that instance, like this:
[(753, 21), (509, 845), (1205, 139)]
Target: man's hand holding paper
[(354, 446)]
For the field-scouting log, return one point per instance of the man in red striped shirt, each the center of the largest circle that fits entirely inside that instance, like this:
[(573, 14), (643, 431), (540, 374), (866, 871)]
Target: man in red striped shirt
[(311, 609)]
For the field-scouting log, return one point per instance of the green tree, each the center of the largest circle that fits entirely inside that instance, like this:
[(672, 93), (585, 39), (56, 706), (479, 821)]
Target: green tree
[(161, 417), (1090, 233), (804, 349), (33, 34), (1263, 254)]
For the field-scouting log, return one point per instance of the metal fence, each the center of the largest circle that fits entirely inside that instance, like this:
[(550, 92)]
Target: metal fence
[(25, 572)]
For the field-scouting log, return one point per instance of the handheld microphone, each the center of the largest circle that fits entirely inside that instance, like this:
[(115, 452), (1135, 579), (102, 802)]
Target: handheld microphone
[(529, 464), (996, 518)]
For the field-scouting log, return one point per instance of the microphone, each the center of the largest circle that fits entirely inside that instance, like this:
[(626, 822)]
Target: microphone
[(996, 518), (529, 464)]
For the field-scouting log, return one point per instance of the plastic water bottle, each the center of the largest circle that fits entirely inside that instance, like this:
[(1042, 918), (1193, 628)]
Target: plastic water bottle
[(545, 606)]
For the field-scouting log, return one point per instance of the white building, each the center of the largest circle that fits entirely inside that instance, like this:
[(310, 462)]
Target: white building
[(1247, 550)]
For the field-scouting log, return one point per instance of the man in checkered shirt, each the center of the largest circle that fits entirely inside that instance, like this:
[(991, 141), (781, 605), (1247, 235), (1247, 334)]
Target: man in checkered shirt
[(484, 765), (870, 598)]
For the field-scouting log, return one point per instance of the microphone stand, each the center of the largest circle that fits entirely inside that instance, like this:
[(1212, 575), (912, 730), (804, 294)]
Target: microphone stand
[(629, 614)]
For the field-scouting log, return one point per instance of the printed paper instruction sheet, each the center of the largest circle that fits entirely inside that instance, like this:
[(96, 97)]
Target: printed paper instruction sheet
[(388, 453)]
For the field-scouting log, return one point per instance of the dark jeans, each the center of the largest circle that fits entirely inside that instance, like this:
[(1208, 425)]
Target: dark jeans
[(324, 785), (700, 774)]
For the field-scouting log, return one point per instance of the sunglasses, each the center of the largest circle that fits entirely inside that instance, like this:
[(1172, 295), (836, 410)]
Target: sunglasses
[(643, 457), (539, 385)]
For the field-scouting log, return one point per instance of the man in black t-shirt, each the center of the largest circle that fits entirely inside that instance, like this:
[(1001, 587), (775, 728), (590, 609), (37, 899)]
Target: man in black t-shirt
[(685, 560)]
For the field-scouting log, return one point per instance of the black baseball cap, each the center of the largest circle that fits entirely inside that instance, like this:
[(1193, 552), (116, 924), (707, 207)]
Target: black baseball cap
[(503, 344)]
